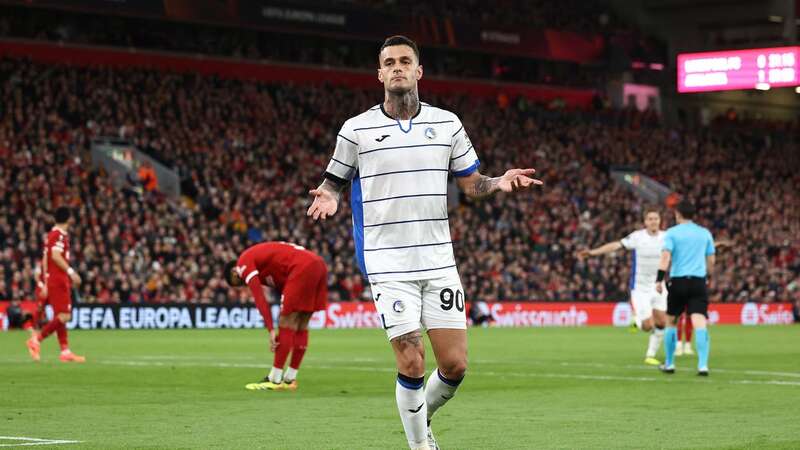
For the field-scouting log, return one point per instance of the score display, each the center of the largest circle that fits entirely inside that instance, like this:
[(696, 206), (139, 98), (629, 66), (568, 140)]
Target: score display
[(759, 68)]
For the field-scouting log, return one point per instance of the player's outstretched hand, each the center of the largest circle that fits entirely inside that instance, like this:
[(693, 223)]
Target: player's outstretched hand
[(76, 279), (325, 204), (582, 254), (517, 180)]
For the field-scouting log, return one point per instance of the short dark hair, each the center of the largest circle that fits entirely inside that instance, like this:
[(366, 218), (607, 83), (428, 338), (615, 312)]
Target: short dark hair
[(226, 272), (686, 208), (62, 214), (399, 40)]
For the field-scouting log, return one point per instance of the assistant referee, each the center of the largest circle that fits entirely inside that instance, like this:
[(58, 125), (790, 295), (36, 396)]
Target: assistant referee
[(690, 248)]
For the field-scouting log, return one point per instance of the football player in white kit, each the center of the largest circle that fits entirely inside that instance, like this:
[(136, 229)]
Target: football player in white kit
[(649, 306), (397, 157)]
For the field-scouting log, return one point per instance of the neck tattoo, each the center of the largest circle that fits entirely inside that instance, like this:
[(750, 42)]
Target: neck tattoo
[(402, 106)]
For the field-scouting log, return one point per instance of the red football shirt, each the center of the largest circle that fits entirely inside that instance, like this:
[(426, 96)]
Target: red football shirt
[(57, 240), (270, 263)]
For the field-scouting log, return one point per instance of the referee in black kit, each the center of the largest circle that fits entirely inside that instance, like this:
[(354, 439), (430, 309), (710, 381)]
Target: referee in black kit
[(690, 248)]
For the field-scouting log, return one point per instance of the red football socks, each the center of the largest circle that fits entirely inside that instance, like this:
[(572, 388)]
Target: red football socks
[(61, 332), (48, 329), (687, 329), (299, 349), (285, 344)]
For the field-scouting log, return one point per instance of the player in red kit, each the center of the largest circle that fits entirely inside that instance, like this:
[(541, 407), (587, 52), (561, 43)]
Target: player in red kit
[(302, 279), (59, 278)]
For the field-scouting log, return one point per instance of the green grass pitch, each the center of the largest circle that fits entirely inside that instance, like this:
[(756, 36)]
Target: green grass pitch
[(526, 388)]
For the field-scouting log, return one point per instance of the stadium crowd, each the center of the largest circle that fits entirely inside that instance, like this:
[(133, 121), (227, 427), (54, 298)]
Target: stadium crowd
[(248, 152), (264, 45)]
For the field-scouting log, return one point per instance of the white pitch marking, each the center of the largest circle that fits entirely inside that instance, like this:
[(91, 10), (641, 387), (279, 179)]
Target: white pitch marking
[(27, 441), (714, 369), (774, 382), (480, 373), (181, 360)]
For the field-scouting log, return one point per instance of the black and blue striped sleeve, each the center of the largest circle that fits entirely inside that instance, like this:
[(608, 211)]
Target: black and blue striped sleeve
[(344, 163), (463, 158)]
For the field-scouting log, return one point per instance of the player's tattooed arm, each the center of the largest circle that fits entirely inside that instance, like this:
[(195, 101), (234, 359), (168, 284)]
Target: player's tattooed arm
[(485, 186), (479, 186)]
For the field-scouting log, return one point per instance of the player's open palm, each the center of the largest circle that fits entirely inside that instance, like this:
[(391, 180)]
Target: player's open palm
[(517, 180), (325, 204)]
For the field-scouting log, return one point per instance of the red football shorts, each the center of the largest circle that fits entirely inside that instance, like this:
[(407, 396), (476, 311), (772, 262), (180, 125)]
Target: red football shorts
[(306, 289), (59, 296)]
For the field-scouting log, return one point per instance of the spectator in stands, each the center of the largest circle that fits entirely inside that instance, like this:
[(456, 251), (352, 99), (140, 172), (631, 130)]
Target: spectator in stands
[(17, 318), (250, 149), (147, 177)]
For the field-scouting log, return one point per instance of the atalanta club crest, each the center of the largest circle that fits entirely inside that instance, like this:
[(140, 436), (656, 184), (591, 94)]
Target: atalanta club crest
[(398, 306), (430, 133)]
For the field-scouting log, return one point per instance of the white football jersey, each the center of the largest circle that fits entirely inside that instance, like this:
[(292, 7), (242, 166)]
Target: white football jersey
[(646, 257), (399, 175)]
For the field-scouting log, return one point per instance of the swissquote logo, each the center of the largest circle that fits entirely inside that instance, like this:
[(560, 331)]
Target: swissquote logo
[(750, 314), (622, 314)]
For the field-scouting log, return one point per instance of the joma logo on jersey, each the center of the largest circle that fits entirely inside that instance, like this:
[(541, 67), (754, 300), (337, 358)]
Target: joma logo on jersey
[(380, 139)]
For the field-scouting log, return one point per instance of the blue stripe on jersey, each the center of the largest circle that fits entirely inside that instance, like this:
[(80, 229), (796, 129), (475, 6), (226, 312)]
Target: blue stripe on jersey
[(348, 140), (396, 124), (406, 246), (404, 146), (348, 165), (410, 124), (469, 170), (461, 155), (404, 221), (375, 128), (632, 282), (433, 123), (402, 196), (402, 171), (412, 271), (358, 222)]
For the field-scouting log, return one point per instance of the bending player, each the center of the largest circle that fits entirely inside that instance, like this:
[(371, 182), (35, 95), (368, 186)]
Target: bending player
[(649, 306), (59, 279), (302, 278)]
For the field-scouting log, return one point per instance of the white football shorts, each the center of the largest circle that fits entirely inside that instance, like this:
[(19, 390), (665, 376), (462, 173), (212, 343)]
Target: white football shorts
[(405, 306), (645, 301)]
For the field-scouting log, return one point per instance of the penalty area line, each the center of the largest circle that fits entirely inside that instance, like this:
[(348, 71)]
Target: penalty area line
[(29, 441), (575, 376)]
